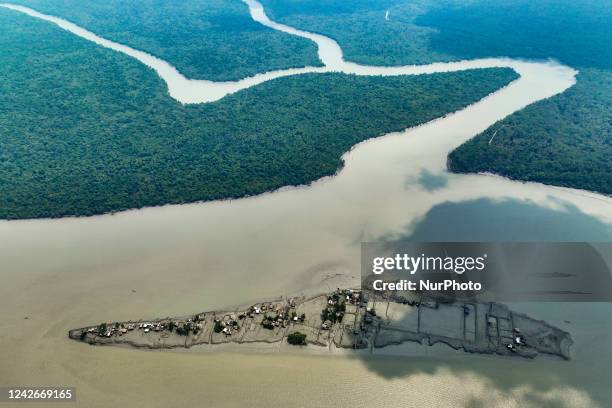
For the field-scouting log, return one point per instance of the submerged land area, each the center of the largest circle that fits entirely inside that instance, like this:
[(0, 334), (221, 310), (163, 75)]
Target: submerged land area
[(346, 319)]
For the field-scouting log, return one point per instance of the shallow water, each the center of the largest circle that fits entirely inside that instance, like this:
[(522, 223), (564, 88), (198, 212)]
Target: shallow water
[(175, 260)]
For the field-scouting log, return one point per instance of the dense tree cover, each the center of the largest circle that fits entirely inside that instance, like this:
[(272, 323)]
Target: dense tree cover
[(566, 140), (85, 130), (362, 30), (296, 339), (576, 32), (203, 39)]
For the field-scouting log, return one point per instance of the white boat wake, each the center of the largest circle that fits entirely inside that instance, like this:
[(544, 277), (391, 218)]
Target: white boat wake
[(187, 90)]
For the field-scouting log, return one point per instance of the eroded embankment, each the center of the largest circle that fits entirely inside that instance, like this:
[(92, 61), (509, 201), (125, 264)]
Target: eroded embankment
[(346, 319)]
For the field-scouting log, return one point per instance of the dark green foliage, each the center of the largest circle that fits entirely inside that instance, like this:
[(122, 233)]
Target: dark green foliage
[(183, 330), (565, 141), (296, 339), (335, 312), (203, 39), (84, 130), (267, 322), (218, 327), (361, 29), (577, 32)]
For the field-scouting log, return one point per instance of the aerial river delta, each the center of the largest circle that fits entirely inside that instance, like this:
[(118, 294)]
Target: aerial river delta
[(208, 221)]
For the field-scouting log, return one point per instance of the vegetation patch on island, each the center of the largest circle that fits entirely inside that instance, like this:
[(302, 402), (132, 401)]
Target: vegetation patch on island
[(296, 339)]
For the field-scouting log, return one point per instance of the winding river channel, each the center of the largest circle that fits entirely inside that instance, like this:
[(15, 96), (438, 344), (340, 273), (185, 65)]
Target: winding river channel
[(173, 260)]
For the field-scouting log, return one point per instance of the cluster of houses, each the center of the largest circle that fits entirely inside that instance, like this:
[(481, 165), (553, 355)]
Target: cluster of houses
[(265, 308), (119, 329), (270, 322), (336, 306), (228, 325), (106, 330), (277, 315), (353, 297)]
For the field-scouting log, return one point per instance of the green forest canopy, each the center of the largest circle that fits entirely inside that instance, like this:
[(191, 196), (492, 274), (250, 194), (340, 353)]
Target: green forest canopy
[(85, 130), (566, 140), (576, 32), (203, 39), (360, 27)]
